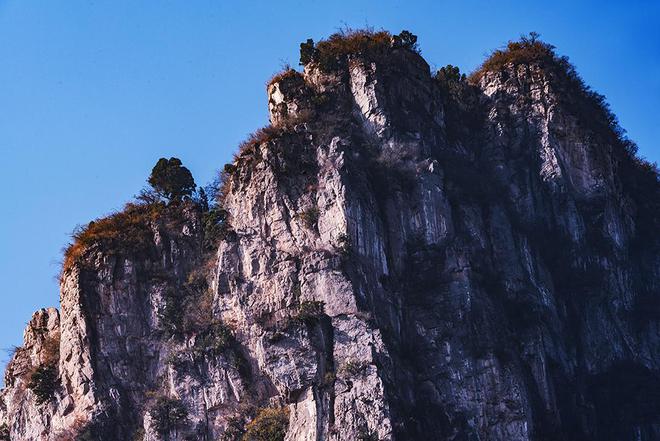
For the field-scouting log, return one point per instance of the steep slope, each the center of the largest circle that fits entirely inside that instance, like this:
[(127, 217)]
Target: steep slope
[(405, 257)]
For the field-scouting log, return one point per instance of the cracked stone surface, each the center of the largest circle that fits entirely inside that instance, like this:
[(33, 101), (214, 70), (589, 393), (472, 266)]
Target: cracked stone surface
[(484, 280)]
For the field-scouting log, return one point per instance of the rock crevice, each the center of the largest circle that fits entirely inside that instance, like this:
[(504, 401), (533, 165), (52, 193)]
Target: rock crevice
[(411, 256)]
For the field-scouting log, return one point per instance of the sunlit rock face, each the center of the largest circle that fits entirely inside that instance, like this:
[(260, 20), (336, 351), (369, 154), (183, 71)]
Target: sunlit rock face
[(404, 259)]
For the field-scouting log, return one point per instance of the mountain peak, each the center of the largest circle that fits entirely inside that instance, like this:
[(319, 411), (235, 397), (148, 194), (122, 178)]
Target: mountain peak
[(397, 256)]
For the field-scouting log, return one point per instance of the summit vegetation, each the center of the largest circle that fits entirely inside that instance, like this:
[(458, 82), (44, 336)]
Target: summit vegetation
[(171, 191), (333, 53), (640, 178)]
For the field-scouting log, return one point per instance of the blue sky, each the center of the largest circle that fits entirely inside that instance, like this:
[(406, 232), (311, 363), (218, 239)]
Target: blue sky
[(92, 93)]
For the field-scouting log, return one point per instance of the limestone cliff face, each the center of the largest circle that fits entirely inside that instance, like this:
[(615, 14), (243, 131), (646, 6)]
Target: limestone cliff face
[(406, 257)]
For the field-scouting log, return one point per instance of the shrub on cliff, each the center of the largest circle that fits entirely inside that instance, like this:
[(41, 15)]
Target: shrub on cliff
[(528, 49), (43, 382), (168, 414), (216, 339), (640, 178), (171, 180), (248, 148), (287, 74), (216, 227), (270, 424), (588, 106), (333, 52), (365, 434), (309, 217), (406, 40), (50, 351), (171, 315), (130, 230), (234, 430), (353, 368), (309, 311), (127, 230), (4, 432), (307, 52), (449, 75)]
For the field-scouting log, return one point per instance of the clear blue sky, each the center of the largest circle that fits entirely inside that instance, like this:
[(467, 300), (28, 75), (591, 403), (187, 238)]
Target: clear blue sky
[(92, 93)]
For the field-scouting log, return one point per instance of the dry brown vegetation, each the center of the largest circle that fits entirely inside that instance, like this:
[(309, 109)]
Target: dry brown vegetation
[(352, 41), (528, 49), (247, 149), (288, 73), (42, 379), (270, 424), (640, 178), (269, 133), (122, 231), (310, 217), (589, 107), (332, 53), (50, 353), (257, 138)]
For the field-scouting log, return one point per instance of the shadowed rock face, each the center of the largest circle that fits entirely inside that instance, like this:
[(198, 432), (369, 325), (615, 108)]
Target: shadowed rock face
[(485, 267)]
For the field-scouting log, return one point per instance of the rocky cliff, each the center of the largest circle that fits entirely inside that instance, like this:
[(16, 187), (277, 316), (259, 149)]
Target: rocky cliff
[(401, 255)]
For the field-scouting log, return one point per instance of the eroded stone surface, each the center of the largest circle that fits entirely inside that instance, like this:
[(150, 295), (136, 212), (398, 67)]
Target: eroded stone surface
[(477, 284)]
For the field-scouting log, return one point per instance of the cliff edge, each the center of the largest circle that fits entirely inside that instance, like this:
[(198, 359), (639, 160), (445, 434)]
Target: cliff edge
[(400, 255)]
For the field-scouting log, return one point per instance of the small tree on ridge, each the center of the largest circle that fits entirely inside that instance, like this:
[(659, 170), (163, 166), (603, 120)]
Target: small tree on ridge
[(171, 180)]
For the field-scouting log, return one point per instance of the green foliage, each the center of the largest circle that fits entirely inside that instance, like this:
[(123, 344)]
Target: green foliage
[(320, 100), (310, 217), (307, 52), (216, 227), (4, 432), (309, 311), (229, 168), (171, 315), (43, 382), (463, 112), (188, 310), (168, 414), (202, 199), (270, 424), (406, 40), (197, 301), (196, 283), (449, 74), (171, 180), (344, 245), (130, 230), (215, 340)]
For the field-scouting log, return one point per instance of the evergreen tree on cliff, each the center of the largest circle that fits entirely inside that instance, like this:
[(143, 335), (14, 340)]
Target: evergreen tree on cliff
[(171, 180)]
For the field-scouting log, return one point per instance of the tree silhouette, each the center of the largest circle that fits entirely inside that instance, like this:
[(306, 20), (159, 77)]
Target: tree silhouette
[(171, 180)]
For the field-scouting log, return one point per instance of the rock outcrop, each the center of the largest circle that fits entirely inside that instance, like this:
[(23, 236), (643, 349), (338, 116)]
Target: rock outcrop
[(404, 257)]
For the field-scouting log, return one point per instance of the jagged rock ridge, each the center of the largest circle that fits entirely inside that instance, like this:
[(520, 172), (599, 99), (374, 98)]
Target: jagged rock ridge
[(406, 256)]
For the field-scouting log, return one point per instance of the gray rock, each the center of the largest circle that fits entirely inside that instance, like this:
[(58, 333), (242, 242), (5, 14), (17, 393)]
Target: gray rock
[(480, 280)]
